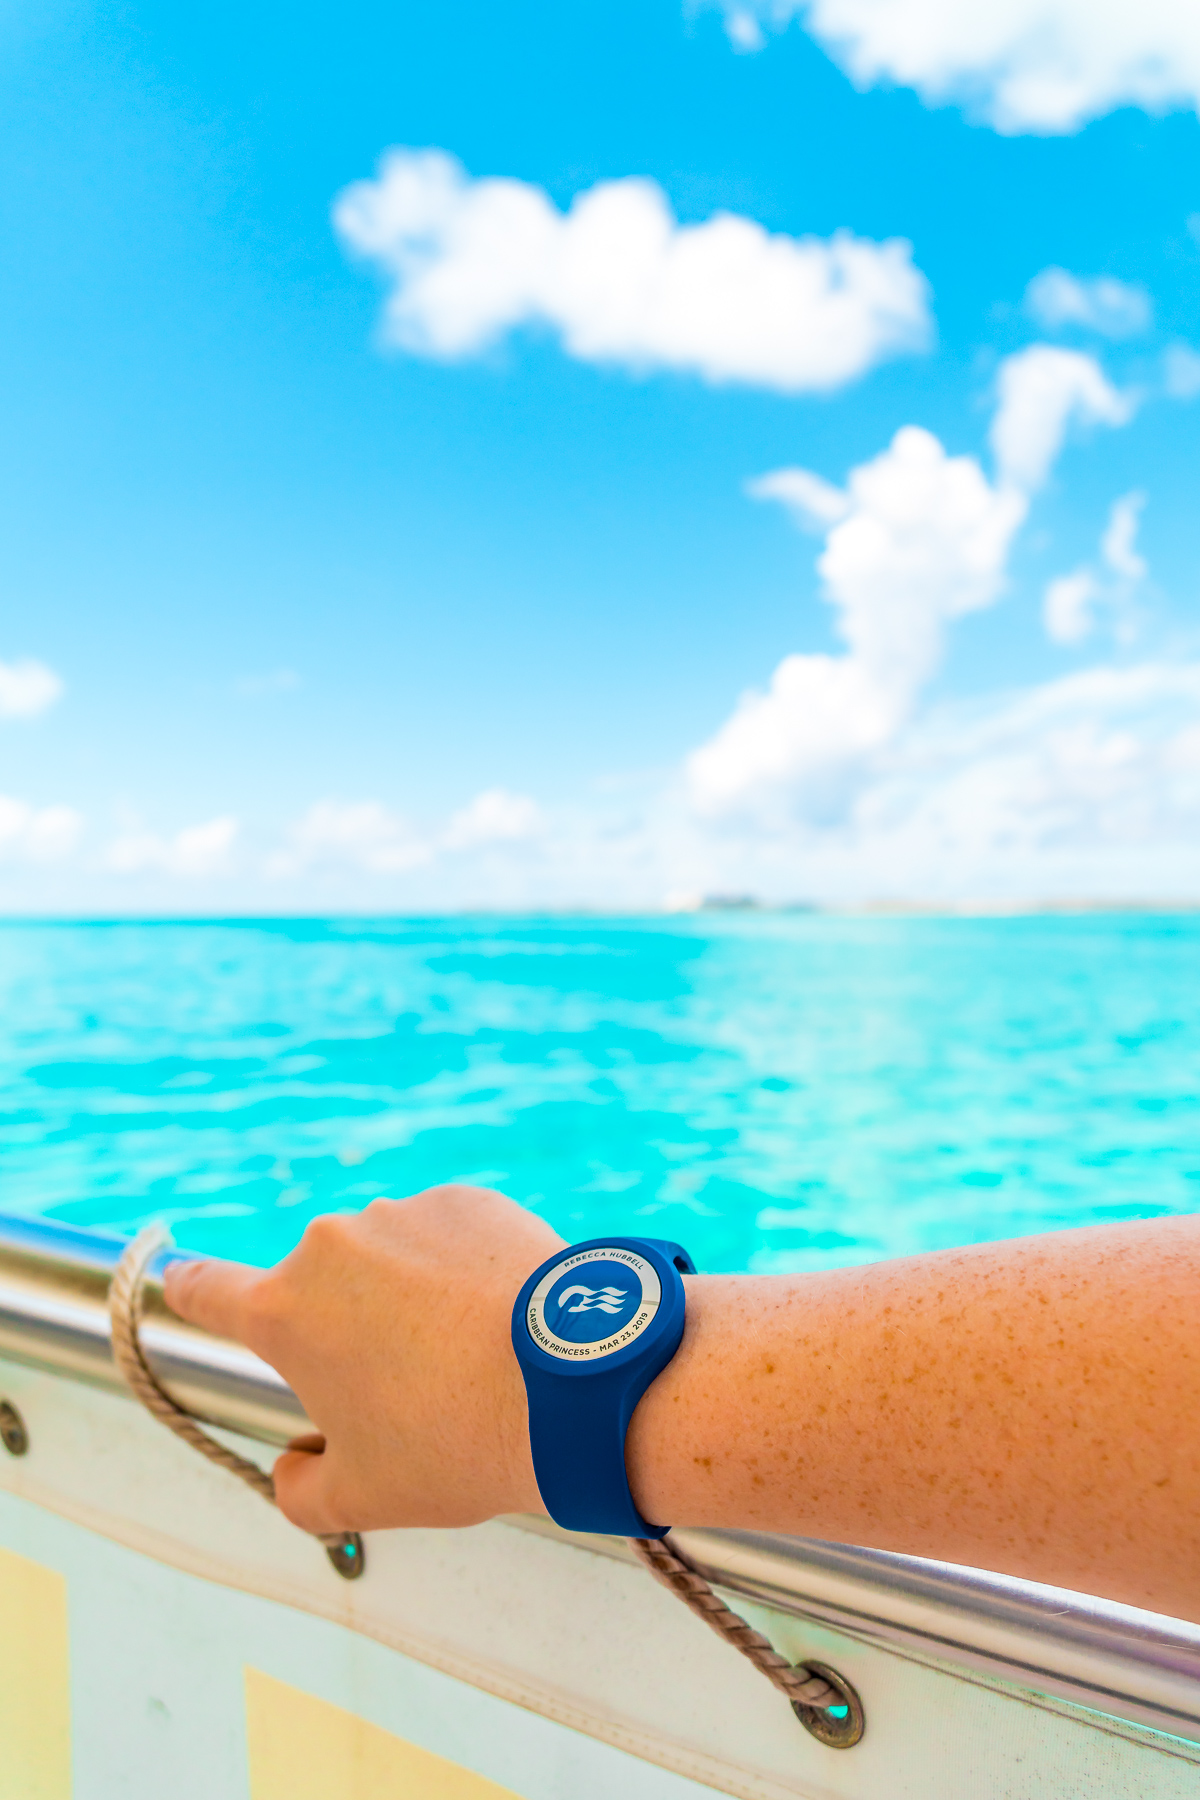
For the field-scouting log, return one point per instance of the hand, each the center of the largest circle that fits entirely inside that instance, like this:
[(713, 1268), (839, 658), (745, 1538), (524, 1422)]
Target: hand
[(393, 1328)]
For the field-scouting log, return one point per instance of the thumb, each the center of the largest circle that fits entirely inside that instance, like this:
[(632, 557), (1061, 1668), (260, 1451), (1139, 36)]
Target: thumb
[(304, 1491)]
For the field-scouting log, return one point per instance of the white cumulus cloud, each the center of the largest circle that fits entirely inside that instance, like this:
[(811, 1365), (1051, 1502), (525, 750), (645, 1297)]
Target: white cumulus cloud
[(796, 744), (1116, 309), (196, 850), (921, 538), (917, 539), (27, 688), (37, 834), (1045, 66), (622, 281)]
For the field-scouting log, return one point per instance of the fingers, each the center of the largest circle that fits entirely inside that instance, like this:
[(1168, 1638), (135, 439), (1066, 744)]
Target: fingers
[(302, 1484), (311, 1441), (214, 1295)]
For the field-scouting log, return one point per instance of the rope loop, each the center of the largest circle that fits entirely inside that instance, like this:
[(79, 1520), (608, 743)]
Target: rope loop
[(796, 1681), (126, 1297)]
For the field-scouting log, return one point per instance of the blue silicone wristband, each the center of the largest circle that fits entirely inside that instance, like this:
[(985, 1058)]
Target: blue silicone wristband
[(579, 1411)]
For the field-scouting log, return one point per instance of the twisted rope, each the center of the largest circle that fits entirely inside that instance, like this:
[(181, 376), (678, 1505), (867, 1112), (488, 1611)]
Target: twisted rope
[(125, 1302), (800, 1685)]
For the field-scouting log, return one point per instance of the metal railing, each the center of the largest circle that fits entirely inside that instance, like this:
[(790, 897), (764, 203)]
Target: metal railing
[(1096, 1653)]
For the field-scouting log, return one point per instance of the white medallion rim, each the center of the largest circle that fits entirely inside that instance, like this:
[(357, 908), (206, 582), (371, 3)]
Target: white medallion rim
[(553, 1345)]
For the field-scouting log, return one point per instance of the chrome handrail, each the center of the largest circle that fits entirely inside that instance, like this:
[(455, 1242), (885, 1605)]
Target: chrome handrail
[(54, 1314), (1096, 1653)]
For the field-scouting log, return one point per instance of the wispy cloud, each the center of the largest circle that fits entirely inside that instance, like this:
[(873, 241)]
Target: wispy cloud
[(1081, 771), (1042, 391), (1074, 603), (1044, 66), (194, 851), (1181, 371), (27, 688), (355, 834), (1087, 787), (492, 818), (1117, 546), (1115, 309), (373, 839), (621, 281), (36, 834)]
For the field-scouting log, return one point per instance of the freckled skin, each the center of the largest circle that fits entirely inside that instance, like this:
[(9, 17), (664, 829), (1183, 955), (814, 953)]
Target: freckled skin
[(1031, 1407)]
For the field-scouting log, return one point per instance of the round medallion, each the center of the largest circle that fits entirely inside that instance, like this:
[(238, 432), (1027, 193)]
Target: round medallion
[(593, 1303)]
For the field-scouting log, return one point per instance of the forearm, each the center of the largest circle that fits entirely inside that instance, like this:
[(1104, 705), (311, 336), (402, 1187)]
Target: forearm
[(1030, 1407)]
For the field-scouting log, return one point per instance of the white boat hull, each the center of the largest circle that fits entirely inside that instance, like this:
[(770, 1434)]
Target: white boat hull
[(165, 1633)]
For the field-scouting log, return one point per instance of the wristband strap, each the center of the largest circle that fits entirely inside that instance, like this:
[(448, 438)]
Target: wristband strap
[(578, 1444)]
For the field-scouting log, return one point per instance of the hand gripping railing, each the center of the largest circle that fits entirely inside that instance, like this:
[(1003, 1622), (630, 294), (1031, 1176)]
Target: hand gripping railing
[(1116, 1659), (824, 1702)]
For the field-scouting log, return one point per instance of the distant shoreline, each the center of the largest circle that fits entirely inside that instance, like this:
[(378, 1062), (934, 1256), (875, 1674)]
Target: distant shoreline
[(709, 907), (973, 908)]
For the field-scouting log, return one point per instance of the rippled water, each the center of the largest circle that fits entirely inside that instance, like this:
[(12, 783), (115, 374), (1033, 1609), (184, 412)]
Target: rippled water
[(776, 1091)]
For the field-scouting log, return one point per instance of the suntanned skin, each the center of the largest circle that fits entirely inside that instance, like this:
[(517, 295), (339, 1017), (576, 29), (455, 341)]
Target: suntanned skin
[(1031, 1407)]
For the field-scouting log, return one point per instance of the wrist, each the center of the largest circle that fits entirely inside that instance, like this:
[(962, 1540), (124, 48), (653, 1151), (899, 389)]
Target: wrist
[(674, 1468), (520, 1482)]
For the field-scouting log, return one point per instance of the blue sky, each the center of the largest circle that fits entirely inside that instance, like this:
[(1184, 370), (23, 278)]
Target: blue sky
[(402, 550)]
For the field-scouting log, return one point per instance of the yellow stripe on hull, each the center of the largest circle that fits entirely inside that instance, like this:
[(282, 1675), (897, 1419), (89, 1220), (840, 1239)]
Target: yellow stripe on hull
[(35, 1682)]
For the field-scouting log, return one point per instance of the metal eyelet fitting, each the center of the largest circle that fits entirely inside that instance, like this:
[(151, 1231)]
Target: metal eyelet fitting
[(345, 1551), (13, 1434), (841, 1726)]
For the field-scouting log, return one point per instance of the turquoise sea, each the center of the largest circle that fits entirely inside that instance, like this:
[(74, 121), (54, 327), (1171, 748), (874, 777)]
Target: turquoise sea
[(775, 1090)]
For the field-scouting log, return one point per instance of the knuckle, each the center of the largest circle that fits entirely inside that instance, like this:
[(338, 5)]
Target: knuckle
[(455, 1196), (326, 1232)]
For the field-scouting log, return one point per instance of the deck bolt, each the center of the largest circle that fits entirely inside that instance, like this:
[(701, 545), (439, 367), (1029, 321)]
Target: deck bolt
[(346, 1553), (840, 1733), (13, 1434)]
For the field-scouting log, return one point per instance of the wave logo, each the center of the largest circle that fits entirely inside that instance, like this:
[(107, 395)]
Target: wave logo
[(605, 1299)]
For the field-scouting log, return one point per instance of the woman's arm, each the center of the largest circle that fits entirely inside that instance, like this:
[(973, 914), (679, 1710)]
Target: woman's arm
[(1030, 1406)]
